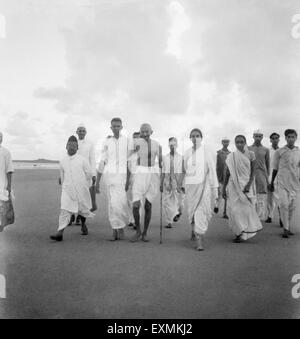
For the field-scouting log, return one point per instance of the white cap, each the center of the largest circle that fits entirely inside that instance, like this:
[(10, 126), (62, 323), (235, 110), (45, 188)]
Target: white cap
[(81, 125), (258, 132), (225, 139)]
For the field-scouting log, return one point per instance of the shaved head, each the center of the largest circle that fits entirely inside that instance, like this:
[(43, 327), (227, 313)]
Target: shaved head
[(146, 127)]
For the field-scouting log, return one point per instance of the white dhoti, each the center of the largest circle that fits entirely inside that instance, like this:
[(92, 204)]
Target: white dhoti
[(173, 203), (261, 206), (287, 205), (74, 202), (118, 212), (272, 203), (199, 202), (145, 184)]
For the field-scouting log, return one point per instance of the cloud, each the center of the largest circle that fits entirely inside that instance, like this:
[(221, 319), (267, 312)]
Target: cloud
[(122, 57), (248, 44)]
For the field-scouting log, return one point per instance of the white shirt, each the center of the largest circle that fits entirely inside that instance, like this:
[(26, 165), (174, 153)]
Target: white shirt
[(75, 174), (114, 157), (178, 162), (87, 150), (6, 166)]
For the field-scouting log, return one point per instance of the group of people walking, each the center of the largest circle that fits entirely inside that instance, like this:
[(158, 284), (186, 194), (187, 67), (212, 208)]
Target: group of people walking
[(252, 182)]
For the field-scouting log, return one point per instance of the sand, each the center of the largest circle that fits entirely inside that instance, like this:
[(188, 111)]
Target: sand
[(90, 277)]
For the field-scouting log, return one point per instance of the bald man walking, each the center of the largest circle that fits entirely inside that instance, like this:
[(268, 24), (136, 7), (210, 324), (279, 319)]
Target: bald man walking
[(146, 181)]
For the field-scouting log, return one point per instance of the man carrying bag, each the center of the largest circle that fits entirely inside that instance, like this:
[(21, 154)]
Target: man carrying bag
[(6, 171)]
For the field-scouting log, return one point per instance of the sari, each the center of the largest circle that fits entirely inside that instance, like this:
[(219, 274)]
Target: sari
[(243, 218)]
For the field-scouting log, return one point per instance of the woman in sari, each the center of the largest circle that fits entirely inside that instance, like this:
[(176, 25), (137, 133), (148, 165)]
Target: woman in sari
[(240, 192), (201, 187)]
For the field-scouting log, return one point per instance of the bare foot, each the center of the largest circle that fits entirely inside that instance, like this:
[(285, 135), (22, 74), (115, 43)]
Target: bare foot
[(137, 237), (144, 238)]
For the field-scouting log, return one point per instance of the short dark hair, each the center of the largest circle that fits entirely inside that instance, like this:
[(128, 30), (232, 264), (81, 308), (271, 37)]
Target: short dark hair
[(172, 138), (290, 131), (240, 136), (136, 133), (196, 130), (72, 139), (116, 120), (274, 135)]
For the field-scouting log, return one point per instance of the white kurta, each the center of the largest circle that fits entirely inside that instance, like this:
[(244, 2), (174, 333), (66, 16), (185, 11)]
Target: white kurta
[(76, 174), (272, 196), (113, 165), (87, 150), (173, 198), (201, 187)]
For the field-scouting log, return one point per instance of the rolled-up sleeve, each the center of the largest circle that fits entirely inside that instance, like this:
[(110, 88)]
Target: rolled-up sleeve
[(8, 163)]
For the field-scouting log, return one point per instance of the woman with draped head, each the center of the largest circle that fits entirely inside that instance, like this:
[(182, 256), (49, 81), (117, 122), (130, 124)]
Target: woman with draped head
[(239, 190), (201, 183)]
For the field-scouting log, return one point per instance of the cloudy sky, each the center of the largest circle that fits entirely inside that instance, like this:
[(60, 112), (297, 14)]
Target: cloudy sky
[(225, 66)]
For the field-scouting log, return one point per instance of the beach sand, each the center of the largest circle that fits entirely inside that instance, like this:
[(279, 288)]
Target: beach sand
[(91, 277)]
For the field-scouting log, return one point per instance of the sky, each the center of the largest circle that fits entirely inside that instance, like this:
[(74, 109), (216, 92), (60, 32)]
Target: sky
[(226, 67)]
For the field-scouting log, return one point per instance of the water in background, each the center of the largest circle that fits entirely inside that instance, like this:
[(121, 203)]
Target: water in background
[(29, 165)]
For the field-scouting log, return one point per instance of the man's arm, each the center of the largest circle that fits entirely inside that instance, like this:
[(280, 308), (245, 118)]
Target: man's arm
[(268, 162), (226, 180), (93, 162), (160, 158), (9, 181), (102, 165), (128, 177)]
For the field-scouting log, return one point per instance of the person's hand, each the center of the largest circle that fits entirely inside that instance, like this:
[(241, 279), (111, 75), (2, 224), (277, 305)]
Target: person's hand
[(161, 188), (247, 189), (97, 189), (127, 187), (224, 194), (183, 190), (59, 181), (93, 180)]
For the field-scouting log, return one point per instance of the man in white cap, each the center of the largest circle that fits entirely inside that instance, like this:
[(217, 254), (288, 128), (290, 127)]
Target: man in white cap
[(6, 172), (115, 153), (221, 166), (262, 172), (76, 174), (87, 150)]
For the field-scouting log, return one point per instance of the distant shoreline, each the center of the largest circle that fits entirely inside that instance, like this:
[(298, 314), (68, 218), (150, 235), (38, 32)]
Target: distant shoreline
[(39, 161)]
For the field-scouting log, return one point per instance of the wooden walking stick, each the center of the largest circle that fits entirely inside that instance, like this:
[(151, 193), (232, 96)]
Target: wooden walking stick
[(161, 220)]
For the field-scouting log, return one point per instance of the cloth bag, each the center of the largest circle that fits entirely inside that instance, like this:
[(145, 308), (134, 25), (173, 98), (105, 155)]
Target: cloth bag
[(7, 214)]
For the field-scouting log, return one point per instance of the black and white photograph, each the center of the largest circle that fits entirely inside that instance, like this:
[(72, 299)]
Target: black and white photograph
[(149, 162)]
